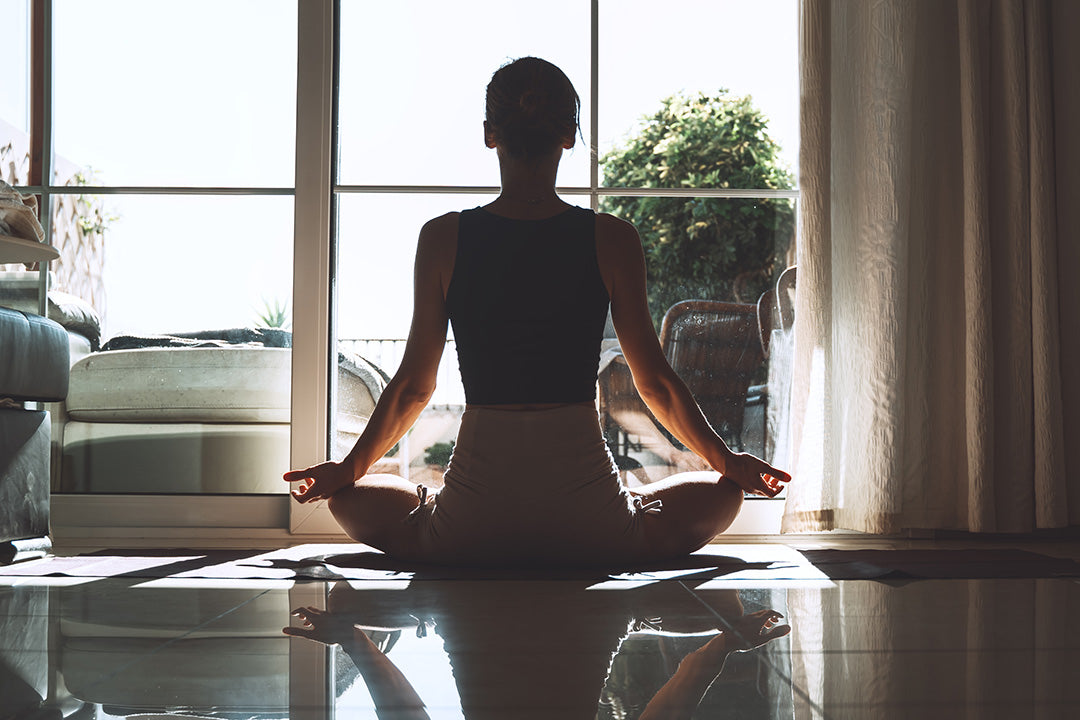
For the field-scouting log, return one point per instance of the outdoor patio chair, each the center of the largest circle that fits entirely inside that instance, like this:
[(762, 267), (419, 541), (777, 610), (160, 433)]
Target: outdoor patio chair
[(715, 348), (768, 317)]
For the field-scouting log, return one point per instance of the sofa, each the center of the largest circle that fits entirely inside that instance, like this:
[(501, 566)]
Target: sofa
[(34, 368), (194, 413)]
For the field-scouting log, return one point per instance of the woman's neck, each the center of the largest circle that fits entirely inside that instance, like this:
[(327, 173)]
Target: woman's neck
[(528, 187)]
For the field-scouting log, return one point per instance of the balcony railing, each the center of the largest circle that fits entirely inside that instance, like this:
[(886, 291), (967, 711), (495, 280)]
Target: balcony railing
[(386, 354)]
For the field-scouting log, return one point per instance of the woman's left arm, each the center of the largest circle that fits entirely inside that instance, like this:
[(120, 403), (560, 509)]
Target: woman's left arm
[(408, 392), (622, 264)]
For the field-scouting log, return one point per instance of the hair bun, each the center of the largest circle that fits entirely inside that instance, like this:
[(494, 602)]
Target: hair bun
[(531, 102)]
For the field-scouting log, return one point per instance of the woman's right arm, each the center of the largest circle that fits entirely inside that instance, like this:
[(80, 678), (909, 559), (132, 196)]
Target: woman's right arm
[(622, 265), (408, 392)]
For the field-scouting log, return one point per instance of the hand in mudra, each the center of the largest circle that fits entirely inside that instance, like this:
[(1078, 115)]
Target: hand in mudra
[(754, 475), (319, 482), (756, 629), (322, 626)]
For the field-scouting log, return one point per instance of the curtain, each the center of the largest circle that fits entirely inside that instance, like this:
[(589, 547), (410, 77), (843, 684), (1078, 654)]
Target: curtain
[(938, 309)]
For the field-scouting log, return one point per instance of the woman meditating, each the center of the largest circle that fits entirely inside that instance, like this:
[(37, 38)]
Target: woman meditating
[(527, 281)]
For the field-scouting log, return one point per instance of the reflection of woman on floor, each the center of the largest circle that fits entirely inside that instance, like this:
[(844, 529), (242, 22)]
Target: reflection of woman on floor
[(526, 282), (511, 661)]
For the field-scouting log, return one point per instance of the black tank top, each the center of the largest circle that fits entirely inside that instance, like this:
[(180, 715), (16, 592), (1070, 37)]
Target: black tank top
[(528, 307)]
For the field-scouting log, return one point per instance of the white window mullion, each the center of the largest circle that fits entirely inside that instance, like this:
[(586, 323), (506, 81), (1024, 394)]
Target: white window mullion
[(311, 377)]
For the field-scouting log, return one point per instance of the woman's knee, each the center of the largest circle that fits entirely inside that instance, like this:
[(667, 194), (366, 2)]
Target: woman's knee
[(342, 507), (693, 514), (373, 511), (729, 505)]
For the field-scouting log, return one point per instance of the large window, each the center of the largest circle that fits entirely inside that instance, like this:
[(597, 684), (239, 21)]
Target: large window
[(236, 188)]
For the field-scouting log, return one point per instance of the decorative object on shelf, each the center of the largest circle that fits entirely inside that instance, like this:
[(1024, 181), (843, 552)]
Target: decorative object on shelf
[(21, 235)]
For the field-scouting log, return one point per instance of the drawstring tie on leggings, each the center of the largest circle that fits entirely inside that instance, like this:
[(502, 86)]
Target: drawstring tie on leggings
[(422, 493), (653, 506)]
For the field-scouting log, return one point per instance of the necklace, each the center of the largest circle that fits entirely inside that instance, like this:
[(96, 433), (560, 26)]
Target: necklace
[(529, 201)]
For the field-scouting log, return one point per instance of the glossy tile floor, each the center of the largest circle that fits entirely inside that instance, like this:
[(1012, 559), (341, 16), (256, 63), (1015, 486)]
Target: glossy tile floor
[(135, 648)]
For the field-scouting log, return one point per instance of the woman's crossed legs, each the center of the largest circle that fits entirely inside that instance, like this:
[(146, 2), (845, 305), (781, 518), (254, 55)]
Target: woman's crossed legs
[(696, 506)]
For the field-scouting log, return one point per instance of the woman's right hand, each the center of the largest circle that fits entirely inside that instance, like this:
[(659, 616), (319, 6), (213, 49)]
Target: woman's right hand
[(754, 475), (319, 482), (321, 626)]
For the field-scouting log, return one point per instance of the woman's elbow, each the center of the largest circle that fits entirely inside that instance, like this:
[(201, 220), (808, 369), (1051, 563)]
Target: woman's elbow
[(411, 390), (658, 386), (653, 391), (418, 394)]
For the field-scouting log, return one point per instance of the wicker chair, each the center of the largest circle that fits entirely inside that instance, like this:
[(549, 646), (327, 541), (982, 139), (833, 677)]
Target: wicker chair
[(715, 347)]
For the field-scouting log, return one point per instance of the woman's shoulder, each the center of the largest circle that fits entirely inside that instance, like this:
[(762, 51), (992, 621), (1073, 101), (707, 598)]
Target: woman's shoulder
[(612, 230), (438, 238), (442, 225)]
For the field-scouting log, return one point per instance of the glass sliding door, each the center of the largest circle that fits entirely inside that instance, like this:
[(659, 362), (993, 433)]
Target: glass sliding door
[(410, 148), (169, 189)]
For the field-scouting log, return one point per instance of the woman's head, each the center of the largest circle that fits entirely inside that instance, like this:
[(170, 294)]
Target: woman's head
[(532, 108)]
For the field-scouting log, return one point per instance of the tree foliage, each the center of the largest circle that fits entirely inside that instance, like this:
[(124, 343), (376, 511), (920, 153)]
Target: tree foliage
[(709, 248)]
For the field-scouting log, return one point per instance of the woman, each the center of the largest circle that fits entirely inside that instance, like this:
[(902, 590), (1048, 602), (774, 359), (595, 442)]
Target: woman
[(526, 282)]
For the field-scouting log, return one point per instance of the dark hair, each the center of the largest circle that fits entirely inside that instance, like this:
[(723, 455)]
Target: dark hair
[(532, 107)]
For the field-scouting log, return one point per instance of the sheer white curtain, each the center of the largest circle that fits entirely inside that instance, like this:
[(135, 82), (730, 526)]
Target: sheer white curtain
[(938, 304)]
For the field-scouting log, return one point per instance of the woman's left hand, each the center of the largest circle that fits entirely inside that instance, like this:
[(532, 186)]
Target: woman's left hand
[(754, 475), (319, 482), (756, 629)]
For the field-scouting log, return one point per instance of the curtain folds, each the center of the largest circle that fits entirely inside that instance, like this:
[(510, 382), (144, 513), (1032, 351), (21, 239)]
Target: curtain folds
[(938, 312)]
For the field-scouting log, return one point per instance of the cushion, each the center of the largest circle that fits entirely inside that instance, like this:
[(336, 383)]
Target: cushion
[(238, 375), (33, 357), (19, 291), (188, 384)]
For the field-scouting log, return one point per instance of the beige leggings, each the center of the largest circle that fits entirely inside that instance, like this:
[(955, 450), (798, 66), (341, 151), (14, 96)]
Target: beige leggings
[(535, 486)]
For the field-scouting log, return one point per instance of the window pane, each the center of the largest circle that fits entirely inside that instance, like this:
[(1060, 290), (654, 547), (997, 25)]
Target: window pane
[(729, 343), (413, 75), (187, 389), (648, 52), (198, 93), (15, 92), (181, 262)]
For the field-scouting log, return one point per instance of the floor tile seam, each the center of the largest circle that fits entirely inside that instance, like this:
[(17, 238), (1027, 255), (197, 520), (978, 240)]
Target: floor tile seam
[(968, 703), (171, 641), (820, 711), (934, 651)]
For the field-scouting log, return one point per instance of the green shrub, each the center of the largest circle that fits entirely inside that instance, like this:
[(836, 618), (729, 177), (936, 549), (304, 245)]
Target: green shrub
[(709, 248), (439, 453)]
